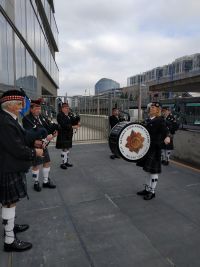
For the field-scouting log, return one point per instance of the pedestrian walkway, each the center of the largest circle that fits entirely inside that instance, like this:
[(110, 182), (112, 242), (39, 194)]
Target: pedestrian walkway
[(95, 219)]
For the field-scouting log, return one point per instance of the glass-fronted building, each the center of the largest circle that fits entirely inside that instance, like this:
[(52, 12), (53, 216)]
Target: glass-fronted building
[(28, 43), (104, 85)]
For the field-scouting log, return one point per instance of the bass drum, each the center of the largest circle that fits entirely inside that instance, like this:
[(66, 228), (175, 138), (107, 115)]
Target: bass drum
[(129, 140)]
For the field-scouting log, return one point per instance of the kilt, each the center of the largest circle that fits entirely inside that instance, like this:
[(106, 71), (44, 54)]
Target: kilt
[(63, 140), (12, 187), (152, 161), (42, 160)]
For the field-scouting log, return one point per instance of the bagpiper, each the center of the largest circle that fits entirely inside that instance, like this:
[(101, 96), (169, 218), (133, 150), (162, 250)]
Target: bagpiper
[(172, 126), (36, 120), (15, 157)]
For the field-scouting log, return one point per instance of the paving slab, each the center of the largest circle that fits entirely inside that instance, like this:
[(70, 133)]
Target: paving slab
[(95, 219)]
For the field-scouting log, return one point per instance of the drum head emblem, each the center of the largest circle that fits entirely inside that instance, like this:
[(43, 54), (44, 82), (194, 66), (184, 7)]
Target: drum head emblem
[(134, 142)]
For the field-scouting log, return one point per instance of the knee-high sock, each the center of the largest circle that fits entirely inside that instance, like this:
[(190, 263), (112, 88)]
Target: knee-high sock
[(168, 152), (154, 180), (35, 175), (45, 172), (8, 216), (163, 154), (64, 156), (67, 155), (148, 183)]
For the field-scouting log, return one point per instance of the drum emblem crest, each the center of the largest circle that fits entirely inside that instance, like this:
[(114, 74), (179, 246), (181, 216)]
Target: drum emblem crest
[(134, 141), (129, 140)]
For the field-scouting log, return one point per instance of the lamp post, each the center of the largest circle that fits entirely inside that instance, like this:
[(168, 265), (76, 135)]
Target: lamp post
[(85, 100), (140, 97), (98, 101)]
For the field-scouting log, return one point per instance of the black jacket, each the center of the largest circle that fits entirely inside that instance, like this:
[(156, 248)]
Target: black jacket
[(113, 120), (15, 155), (172, 126), (30, 122), (65, 131), (158, 131)]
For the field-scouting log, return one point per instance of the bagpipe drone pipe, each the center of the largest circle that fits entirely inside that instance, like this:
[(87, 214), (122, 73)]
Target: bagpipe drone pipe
[(75, 118)]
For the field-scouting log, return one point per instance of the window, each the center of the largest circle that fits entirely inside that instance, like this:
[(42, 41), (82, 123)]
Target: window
[(3, 52), (20, 63), (10, 54)]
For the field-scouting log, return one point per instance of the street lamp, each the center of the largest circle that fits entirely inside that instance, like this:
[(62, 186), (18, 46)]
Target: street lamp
[(85, 100), (97, 101), (140, 97)]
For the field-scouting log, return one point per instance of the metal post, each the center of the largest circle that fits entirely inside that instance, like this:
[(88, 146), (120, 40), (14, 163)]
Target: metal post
[(85, 100), (98, 103), (139, 101)]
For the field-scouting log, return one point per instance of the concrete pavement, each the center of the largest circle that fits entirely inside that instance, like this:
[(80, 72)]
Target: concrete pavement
[(94, 217)]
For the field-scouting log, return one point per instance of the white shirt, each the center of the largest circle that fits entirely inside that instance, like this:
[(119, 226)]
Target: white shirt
[(11, 114), (151, 118)]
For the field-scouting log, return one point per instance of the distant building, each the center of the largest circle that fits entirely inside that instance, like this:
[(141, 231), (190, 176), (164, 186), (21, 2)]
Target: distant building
[(104, 85), (180, 68), (28, 42)]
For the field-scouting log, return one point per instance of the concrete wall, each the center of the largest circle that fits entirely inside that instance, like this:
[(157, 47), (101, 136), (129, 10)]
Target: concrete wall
[(187, 147), (97, 122), (187, 143)]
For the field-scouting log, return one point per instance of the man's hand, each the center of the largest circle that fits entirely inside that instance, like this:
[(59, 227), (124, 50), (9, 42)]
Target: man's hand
[(55, 134), (49, 137), (167, 140), (75, 127), (38, 143), (39, 152)]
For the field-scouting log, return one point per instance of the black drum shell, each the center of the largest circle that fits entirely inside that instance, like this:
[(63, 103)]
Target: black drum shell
[(114, 137)]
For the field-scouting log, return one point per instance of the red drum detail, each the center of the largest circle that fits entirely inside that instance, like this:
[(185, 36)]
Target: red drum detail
[(131, 141)]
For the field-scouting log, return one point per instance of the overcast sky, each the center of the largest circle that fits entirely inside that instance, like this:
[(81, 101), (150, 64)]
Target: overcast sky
[(119, 38)]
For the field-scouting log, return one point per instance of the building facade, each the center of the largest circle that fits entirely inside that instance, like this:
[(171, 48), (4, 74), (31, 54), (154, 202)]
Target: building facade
[(180, 68), (28, 43), (104, 85)]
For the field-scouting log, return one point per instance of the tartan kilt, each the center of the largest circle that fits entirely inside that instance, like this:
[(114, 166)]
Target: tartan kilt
[(152, 161), (64, 140), (12, 187), (41, 160)]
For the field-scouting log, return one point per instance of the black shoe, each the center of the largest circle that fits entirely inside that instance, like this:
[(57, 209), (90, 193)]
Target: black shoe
[(143, 192), (112, 157), (63, 166), (20, 228), (68, 164), (149, 196), (17, 245), (165, 162), (37, 187), (49, 184)]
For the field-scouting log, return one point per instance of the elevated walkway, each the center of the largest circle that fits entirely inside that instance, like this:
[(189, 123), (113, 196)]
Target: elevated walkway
[(94, 217)]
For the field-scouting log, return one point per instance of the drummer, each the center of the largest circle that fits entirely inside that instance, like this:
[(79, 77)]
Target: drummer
[(113, 120), (151, 162)]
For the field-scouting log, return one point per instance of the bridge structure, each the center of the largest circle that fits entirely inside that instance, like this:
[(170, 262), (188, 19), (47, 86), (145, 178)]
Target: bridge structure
[(184, 82)]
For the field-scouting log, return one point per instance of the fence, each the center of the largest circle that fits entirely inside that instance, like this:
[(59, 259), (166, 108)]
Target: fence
[(94, 112)]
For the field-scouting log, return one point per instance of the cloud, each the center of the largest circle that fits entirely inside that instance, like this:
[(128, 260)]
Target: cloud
[(116, 39)]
